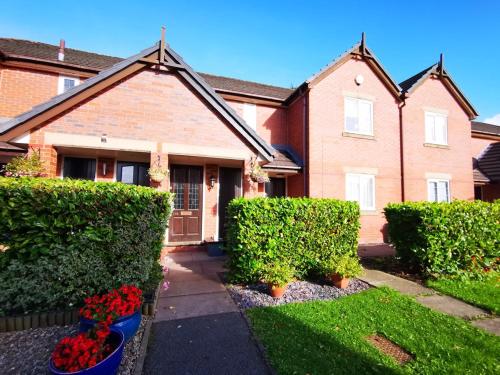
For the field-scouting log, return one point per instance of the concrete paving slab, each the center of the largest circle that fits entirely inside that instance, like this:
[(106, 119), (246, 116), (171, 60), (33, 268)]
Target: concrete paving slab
[(179, 257), (175, 275), (190, 287), (491, 325), (376, 250), (194, 305), (451, 306), (213, 267), (379, 278), (210, 345)]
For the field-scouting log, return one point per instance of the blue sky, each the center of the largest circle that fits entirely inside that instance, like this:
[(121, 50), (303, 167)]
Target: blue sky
[(282, 42)]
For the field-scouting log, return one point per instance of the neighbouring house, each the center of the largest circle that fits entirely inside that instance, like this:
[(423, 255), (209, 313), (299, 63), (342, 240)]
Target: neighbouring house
[(486, 160), (348, 132)]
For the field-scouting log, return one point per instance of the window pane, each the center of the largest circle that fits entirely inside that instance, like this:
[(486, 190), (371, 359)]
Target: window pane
[(178, 188), (365, 117), (68, 84), (351, 115), (442, 191), (368, 188), (440, 125), (79, 168), (194, 185), (352, 188), (429, 128), (128, 174)]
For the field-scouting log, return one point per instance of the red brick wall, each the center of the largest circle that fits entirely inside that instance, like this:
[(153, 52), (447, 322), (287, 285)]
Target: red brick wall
[(21, 89), (295, 136), (478, 145), (332, 154), (454, 160)]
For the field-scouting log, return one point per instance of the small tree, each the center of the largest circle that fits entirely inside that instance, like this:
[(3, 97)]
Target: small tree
[(29, 165)]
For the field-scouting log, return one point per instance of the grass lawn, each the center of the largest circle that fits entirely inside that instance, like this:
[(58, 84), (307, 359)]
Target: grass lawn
[(484, 293), (328, 337)]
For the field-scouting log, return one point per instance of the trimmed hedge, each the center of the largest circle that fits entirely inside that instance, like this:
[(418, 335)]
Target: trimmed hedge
[(454, 238), (67, 239), (302, 231)]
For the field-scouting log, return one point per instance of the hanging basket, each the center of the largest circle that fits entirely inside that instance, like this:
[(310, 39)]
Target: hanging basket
[(157, 176)]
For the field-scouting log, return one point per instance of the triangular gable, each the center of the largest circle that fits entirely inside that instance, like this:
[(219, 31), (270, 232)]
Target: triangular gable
[(438, 70), (359, 50), (151, 56)]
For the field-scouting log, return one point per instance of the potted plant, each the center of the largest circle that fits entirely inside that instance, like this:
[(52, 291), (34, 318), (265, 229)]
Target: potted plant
[(120, 308), (98, 351), (341, 269), (277, 275), (256, 172)]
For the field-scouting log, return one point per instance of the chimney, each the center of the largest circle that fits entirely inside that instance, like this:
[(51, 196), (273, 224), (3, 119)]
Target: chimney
[(60, 55)]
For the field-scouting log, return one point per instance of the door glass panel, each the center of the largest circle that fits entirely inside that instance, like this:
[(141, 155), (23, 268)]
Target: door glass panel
[(194, 184), (128, 174), (178, 189)]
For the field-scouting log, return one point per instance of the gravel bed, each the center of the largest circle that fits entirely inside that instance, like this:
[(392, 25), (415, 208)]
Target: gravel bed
[(28, 352), (257, 295)]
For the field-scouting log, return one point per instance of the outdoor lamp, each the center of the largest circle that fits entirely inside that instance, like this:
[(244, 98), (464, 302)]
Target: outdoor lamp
[(212, 181)]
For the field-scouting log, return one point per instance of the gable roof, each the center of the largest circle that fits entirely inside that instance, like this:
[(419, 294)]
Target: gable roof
[(411, 84), (360, 50), (54, 106), (489, 162), (26, 49)]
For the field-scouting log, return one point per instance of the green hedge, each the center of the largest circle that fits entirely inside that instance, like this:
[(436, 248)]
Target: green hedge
[(302, 231), (446, 238), (66, 239)]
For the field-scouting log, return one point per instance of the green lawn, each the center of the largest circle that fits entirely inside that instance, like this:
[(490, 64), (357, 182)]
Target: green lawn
[(328, 337), (484, 293)]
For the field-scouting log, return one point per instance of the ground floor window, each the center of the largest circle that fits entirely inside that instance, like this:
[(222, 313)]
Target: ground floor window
[(79, 168), (438, 190), (478, 192), (361, 188), (276, 187), (132, 173)]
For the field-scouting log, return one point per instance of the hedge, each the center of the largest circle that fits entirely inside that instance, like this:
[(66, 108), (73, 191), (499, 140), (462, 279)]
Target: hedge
[(461, 237), (66, 239), (301, 230)]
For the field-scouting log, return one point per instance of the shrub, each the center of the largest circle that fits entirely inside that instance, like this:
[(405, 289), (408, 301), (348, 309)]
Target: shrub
[(301, 231), (346, 266), (29, 165), (68, 239), (458, 238)]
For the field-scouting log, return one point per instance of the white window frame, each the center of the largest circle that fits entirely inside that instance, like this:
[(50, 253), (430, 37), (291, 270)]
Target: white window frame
[(360, 177), (358, 100), (437, 181), (60, 83), (250, 114), (431, 138)]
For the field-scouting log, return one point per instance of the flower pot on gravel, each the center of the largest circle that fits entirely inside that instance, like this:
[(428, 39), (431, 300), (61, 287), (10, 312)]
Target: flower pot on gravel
[(340, 281), (128, 325), (277, 291), (115, 342)]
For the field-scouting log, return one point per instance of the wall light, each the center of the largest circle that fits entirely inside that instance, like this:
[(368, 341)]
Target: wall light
[(104, 168), (212, 181)]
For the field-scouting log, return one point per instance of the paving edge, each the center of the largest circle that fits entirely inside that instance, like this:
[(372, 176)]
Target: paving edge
[(260, 347), (139, 364)]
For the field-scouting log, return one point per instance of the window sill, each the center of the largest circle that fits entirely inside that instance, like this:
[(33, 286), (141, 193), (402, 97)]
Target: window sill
[(435, 145), (369, 212), (358, 135)]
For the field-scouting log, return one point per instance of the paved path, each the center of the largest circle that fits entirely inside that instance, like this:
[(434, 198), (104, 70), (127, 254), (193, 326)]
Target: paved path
[(197, 328), (433, 300)]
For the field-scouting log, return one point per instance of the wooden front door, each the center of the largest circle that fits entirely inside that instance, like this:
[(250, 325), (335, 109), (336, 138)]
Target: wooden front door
[(186, 182), (229, 188)]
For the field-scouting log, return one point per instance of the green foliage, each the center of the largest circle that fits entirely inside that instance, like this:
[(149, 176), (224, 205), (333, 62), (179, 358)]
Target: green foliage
[(67, 239), (458, 238), (279, 273), (29, 165), (483, 293), (345, 266), (300, 231), (329, 337)]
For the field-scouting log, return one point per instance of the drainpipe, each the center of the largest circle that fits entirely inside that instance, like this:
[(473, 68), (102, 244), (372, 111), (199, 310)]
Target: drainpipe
[(306, 142), (401, 149)]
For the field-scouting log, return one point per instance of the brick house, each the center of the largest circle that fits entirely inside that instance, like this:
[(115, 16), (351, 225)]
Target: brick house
[(348, 132)]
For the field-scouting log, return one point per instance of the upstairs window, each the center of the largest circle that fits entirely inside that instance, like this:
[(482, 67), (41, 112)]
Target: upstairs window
[(438, 190), (358, 116), (250, 115), (361, 188), (436, 128), (66, 83)]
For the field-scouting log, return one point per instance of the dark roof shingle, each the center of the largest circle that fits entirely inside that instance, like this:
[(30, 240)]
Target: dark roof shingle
[(408, 83), (94, 61), (489, 162), (483, 127)]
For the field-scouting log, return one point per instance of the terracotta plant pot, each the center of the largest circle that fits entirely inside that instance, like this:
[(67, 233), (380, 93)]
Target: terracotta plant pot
[(339, 281), (276, 291)]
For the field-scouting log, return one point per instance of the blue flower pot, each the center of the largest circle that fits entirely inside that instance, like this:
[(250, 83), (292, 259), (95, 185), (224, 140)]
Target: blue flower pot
[(108, 366), (127, 324)]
